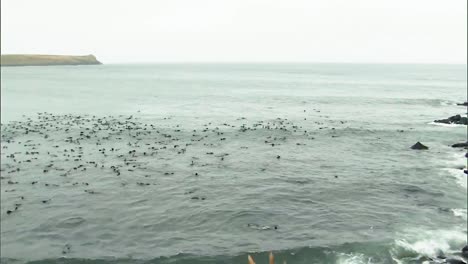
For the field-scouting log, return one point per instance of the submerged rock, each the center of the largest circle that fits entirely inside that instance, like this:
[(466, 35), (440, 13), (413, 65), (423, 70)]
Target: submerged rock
[(419, 145)]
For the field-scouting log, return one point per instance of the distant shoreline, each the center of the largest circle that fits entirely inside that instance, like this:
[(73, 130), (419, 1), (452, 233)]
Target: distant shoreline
[(12, 60)]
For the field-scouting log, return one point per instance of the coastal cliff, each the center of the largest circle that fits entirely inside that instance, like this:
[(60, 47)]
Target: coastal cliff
[(46, 60)]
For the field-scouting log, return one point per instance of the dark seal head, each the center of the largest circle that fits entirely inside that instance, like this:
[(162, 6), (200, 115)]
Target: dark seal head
[(419, 145)]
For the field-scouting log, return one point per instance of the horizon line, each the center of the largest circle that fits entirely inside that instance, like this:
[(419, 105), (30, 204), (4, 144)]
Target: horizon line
[(283, 62), (253, 62)]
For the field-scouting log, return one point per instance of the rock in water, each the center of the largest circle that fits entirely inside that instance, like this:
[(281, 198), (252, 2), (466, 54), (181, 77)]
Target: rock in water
[(460, 145), (465, 251), (419, 145), (444, 121), (456, 119), (463, 104)]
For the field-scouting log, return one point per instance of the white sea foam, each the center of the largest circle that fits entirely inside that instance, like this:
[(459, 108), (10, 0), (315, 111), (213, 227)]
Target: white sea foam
[(454, 162), (447, 103), (429, 243), (459, 176), (460, 213), (458, 158), (397, 260), (353, 259), (445, 125)]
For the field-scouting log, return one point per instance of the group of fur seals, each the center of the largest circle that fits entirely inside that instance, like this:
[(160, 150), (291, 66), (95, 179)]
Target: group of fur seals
[(69, 145)]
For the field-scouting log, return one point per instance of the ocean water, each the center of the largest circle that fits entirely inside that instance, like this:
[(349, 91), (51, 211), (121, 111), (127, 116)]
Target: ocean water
[(206, 163)]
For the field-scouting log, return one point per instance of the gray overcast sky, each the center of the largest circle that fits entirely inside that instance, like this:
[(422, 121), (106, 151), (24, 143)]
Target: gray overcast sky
[(424, 31)]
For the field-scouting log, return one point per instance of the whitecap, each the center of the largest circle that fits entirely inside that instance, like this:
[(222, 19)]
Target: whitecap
[(460, 212), (459, 176), (428, 243), (445, 125), (457, 159), (353, 259)]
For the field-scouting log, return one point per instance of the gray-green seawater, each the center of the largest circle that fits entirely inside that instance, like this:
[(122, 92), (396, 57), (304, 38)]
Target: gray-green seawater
[(204, 163)]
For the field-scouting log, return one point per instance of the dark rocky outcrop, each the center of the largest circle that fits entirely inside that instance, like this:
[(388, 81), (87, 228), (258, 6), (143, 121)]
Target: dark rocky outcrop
[(463, 104), (460, 145), (419, 145), (456, 119), (465, 251)]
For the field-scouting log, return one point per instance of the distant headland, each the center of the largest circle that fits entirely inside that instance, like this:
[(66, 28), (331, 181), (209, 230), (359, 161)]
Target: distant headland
[(46, 60)]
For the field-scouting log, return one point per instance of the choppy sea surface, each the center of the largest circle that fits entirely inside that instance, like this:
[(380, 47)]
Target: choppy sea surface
[(206, 163)]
